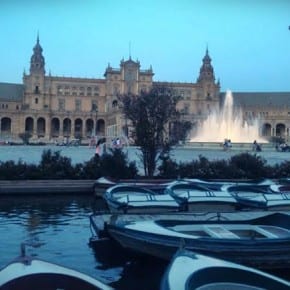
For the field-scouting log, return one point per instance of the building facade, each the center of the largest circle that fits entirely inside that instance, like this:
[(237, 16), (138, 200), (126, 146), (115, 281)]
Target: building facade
[(54, 108)]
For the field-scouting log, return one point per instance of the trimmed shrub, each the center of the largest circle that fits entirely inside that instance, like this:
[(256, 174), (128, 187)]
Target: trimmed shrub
[(55, 166), (116, 165)]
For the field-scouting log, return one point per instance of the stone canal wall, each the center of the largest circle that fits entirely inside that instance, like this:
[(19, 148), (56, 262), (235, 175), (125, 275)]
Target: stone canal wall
[(39, 187)]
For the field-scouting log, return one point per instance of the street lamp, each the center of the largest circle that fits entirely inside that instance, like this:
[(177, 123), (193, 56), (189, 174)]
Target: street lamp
[(96, 123)]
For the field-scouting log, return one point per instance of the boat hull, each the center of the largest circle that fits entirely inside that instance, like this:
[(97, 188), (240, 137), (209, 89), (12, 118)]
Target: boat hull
[(125, 198), (28, 273), (211, 206), (203, 272), (247, 255), (150, 209), (256, 252)]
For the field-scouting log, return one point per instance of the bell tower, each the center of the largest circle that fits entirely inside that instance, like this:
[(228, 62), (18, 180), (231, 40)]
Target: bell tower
[(37, 62), (208, 89), (206, 73)]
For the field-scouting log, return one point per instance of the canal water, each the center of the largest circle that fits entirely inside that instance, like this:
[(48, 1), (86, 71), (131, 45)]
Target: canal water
[(57, 229)]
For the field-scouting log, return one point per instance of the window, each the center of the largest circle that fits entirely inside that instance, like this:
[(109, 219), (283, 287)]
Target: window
[(89, 91), (36, 100), (36, 90), (66, 90), (96, 91), (94, 107), (82, 90), (59, 90), (115, 104), (74, 91), (116, 90), (61, 104), (78, 105)]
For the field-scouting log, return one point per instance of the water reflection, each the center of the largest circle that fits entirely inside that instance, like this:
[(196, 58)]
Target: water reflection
[(58, 230), (59, 226)]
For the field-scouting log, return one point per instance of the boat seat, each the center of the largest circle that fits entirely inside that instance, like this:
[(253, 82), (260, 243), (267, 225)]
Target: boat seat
[(265, 233), (218, 231)]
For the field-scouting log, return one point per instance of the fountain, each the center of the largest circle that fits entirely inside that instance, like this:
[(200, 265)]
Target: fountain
[(228, 123)]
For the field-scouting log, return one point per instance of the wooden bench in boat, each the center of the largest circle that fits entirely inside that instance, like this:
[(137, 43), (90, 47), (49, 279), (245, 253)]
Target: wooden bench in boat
[(218, 231), (272, 232), (264, 232)]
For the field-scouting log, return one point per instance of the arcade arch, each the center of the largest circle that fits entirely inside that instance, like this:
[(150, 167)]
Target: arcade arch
[(29, 125), (100, 128), (89, 131), (66, 127), (40, 127), (78, 128), (280, 130), (5, 125), (266, 130), (55, 127)]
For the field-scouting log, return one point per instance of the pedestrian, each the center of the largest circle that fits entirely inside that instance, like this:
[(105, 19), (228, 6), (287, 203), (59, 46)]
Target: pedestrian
[(98, 150), (225, 145)]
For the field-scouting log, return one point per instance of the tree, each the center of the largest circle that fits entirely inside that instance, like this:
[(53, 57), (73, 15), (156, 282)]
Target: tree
[(179, 131), (150, 113)]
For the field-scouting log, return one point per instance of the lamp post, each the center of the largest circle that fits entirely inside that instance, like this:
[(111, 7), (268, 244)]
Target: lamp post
[(96, 122)]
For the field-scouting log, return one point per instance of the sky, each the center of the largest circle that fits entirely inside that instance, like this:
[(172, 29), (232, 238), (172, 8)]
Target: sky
[(248, 40)]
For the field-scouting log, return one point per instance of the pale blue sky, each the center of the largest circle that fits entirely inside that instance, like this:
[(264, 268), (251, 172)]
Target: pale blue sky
[(248, 40)]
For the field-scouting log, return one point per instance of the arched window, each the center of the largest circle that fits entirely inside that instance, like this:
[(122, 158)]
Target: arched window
[(115, 104)]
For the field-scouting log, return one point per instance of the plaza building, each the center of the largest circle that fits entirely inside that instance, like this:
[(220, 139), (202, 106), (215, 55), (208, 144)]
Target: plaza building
[(53, 108)]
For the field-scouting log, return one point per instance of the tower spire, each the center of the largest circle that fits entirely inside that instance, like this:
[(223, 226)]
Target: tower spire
[(37, 62), (206, 71)]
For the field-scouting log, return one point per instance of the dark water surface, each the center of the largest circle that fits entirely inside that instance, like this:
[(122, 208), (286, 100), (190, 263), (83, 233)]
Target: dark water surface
[(59, 230)]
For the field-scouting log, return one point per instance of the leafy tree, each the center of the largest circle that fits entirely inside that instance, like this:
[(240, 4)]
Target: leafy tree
[(150, 113), (179, 131)]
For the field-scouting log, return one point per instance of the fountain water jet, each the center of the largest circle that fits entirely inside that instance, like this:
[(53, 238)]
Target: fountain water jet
[(228, 123)]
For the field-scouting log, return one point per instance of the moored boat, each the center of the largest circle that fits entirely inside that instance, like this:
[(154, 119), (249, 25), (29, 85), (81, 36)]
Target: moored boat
[(264, 201), (260, 242), (191, 271), (28, 273), (102, 184), (219, 185), (124, 198), (198, 198), (256, 188)]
